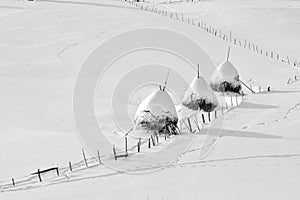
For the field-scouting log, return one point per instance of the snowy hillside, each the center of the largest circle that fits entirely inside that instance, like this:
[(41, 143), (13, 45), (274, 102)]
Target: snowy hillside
[(249, 148)]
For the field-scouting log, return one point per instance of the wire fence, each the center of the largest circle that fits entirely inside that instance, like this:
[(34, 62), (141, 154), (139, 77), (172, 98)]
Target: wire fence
[(191, 124), (188, 123), (227, 36)]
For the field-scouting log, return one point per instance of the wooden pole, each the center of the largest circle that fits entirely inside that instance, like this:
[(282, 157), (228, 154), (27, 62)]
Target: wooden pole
[(190, 126), (114, 151), (139, 145), (13, 181), (208, 114), (216, 114), (85, 161), (57, 171), (203, 119), (39, 175), (149, 143), (126, 146), (196, 122), (99, 158), (153, 142), (249, 88), (70, 166), (228, 53)]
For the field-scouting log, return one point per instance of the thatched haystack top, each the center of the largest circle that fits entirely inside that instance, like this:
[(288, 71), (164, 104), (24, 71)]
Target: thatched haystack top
[(225, 72), (158, 103)]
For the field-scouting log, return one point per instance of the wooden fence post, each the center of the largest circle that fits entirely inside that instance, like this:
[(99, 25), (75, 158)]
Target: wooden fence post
[(139, 145), (114, 151), (149, 143), (196, 122), (39, 175), (153, 142), (70, 166), (190, 126), (126, 146), (208, 114), (13, 182), (203, 119), (216, 114), (99, 158), (85, 161)]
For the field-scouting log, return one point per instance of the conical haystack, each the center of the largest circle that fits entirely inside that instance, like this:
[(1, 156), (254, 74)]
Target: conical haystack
[(226, 78), (157, 112), (200, 96)]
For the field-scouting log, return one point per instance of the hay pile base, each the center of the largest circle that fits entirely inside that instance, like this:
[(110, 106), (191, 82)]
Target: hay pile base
[(227, 87), (200, 104), (160, 124)]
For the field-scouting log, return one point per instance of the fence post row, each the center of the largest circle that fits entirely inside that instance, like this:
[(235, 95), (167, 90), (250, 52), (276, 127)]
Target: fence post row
[(212, 30)]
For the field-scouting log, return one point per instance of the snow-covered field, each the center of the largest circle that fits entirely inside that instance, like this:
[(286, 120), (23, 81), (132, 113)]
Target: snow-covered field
[(42, 47)]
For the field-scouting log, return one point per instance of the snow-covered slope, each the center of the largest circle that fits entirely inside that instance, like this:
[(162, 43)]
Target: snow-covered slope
[(42, 46)]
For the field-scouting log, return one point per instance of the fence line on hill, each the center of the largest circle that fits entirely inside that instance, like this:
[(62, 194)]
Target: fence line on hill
[(223, 35), (153, 140), (15, 183)]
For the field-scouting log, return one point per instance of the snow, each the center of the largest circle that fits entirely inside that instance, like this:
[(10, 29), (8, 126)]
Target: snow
[(202, 90), (159, 103), (42, 47), (225, 72)]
